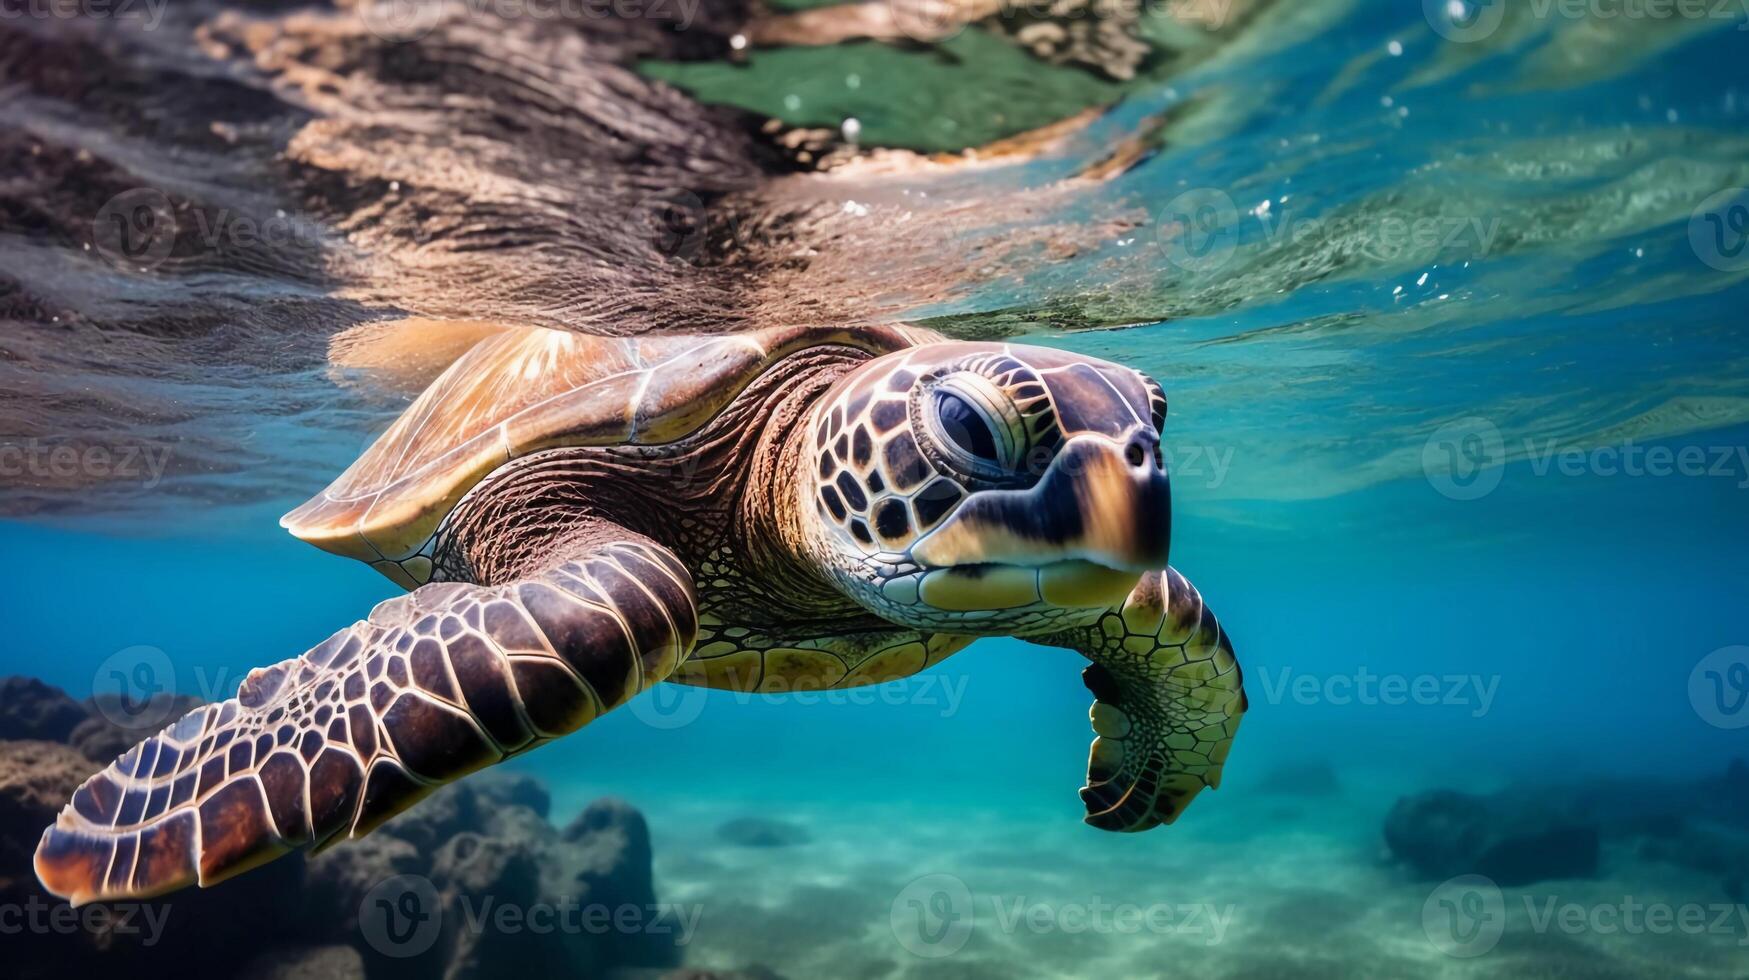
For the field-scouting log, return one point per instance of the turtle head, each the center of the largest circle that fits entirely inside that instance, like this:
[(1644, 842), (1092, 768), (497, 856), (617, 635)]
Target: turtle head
[(987, 488)]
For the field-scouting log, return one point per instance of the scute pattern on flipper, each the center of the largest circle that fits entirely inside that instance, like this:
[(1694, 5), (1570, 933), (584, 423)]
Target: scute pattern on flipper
[(432, 686), (1169, 696), (531, 389)]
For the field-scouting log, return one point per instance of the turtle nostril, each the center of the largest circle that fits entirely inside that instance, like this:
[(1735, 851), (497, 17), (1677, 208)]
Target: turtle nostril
[(1136, 455)]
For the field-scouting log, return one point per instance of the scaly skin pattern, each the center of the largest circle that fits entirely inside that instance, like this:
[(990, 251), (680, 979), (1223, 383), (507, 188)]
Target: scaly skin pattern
[(856, 509), (432, 686), (1169, 696), (919, 533)]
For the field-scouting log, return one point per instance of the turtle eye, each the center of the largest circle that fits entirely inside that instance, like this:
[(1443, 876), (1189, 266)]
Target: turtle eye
[(966, 427), (973, 427)]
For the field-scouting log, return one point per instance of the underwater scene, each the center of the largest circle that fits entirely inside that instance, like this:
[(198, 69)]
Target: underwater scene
[(836, 428)]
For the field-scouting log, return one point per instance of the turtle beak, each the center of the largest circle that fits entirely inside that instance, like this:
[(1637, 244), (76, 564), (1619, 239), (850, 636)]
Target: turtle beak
[(1102, 500)]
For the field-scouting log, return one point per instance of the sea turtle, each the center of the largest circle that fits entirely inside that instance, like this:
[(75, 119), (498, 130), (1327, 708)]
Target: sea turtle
[(578, 518)]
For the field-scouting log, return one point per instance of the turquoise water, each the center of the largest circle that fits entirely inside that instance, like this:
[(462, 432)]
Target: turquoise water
[(1419, 305)]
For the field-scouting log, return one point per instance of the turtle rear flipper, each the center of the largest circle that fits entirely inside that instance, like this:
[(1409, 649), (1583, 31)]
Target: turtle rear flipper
[(436, 684), (1168, 698)]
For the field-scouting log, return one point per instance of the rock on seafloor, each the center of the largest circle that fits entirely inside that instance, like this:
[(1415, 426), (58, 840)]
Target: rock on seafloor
[(36, 780), (1445, 833), (762, 832), (481, 860), (32, 710), (307, 963), (1547, 830)]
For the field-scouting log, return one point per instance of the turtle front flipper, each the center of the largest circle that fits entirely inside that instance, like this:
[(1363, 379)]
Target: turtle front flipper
[(1168, 698), (434, 685)]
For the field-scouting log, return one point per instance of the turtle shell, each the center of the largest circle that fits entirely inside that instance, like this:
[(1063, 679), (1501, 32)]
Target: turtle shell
[(529, 389)]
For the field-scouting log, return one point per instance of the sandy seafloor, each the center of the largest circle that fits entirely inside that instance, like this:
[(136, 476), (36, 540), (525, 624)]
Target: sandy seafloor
[(1294, 886)]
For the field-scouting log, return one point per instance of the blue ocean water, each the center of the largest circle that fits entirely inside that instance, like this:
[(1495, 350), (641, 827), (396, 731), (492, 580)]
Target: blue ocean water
[(1454, 335)]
